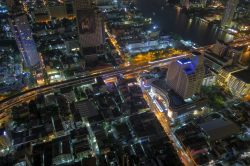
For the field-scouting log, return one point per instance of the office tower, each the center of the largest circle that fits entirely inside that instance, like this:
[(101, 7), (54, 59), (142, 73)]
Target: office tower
[(90, 28), (229, 12), (23, 36), (185, 75)]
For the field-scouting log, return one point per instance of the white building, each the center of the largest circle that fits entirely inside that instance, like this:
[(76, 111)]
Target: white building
[(185, 76)]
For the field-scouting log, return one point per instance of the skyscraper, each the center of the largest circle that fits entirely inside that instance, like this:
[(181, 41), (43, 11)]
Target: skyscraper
[(23, 36), (229, 12), (90, 27), (185, 75)]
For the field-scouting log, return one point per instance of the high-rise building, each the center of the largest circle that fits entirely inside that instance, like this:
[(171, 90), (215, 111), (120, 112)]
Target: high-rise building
[(23, 36), (229, 12), (90, 28), (185, 75)]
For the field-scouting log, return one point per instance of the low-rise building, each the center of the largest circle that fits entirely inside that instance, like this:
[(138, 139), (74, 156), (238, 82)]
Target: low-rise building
[(175, 107), (239, 83), (224, 74), (218, 129)]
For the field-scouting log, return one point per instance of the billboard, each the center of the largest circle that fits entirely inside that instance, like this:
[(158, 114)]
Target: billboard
[(86, 21)]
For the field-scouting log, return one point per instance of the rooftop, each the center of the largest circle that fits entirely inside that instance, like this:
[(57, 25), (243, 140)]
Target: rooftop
[(220, 128), (184, 61), (86, 109), (243, 75), (175, 101)]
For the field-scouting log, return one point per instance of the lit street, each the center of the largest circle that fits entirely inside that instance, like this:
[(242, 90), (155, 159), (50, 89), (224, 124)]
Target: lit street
[(124, 83)]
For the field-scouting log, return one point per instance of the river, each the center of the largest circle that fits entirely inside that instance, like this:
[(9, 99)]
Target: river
[(171, 20)]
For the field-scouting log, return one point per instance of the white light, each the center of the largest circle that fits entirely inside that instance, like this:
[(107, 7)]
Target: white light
[(195, 112), (170, 114)]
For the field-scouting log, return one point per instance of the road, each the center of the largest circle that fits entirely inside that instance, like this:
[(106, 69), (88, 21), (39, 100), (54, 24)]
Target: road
[(164, 121), (88, 78), (30, 94)]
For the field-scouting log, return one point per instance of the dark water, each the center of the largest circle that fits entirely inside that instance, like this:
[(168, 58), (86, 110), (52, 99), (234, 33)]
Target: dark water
[(171, 20)]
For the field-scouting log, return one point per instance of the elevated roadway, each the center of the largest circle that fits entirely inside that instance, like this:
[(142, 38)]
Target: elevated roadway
[(85, 79)]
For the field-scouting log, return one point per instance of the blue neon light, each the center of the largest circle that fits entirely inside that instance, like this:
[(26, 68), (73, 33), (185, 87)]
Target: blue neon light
[(186, 62), (3, 9)]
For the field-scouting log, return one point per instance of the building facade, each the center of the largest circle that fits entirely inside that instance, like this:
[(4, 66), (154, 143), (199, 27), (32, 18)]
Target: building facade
[(23, 36), (230, 8), (90, 28), (185, 76), (225, 73), (239, 83)]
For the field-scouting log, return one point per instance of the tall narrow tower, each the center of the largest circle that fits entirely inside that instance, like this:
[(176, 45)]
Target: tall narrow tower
[(229, 12), (23, 36), (90, 27)]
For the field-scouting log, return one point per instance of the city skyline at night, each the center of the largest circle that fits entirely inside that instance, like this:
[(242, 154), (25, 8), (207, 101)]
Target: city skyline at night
[(124, 82)]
